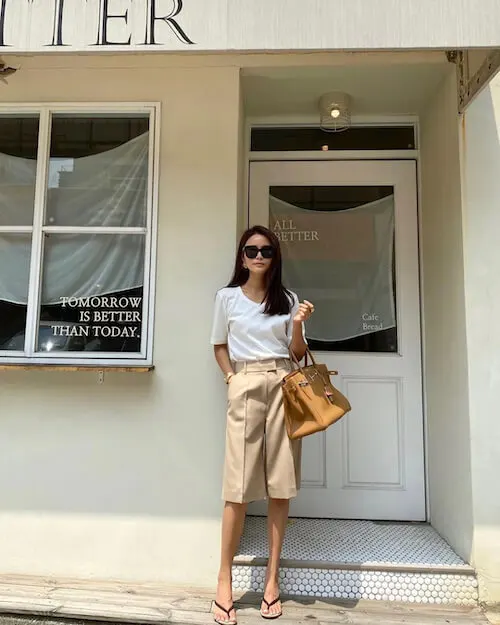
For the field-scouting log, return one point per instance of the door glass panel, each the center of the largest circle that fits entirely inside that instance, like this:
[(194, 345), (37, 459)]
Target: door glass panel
[(338, 252)]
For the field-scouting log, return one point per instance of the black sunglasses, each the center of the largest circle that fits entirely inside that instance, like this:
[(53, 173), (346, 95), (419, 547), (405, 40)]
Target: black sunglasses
[(251, 251)]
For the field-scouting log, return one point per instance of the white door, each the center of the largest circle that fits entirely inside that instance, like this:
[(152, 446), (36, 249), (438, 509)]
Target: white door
[(349, 236)]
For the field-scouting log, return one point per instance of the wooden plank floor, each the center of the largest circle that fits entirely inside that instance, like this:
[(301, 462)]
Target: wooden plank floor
[(155, 603)]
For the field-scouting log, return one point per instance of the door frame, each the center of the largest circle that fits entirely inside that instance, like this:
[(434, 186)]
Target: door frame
[(345, 155)]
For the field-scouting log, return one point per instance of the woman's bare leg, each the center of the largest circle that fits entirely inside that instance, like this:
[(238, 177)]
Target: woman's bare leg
[(276, 527), (233, 519)]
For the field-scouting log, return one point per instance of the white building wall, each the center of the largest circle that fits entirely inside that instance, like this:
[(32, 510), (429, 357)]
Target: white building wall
[(461, 300), (122, 480), (445, 348), (481, 166)]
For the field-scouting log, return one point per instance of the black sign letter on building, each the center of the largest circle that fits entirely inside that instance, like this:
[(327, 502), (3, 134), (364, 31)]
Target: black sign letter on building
[(104, 16), (3, 6), (58, 21), (168, 19)]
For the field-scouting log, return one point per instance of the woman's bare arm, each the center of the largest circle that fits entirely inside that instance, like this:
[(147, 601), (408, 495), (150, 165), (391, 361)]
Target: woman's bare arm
[(222, 357), (298, 345)]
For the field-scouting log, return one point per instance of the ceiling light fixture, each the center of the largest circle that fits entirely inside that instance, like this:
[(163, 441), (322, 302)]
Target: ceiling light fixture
[(335, 113)]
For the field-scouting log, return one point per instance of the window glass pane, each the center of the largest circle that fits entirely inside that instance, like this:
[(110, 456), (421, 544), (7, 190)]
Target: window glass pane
[(338, 252), (354, 138), (18, 151), (92, 293), (98, 171), (15, 252)]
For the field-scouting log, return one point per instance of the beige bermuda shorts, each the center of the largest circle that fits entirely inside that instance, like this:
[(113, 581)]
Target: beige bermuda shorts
[(261, 461)]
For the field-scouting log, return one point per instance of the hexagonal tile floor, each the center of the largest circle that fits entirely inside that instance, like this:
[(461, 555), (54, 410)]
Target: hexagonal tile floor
[(358, 560)]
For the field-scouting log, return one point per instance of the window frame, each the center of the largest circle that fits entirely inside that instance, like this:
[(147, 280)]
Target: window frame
[(45, 112)]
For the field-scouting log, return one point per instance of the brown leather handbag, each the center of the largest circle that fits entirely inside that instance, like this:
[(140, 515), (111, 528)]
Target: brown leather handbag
[(311, 401)]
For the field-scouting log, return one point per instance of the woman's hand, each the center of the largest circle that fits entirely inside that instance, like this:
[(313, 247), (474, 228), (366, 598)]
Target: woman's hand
[(305, 310), (298, 344)]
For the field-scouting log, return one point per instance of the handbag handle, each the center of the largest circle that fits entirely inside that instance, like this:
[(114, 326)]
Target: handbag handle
[(295, 361), (293, 357)]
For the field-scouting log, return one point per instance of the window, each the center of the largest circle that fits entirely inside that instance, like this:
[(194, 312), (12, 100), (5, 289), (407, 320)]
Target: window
[(76, 217), (291, 138)]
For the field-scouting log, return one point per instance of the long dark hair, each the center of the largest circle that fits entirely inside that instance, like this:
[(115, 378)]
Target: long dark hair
[(278, 300)]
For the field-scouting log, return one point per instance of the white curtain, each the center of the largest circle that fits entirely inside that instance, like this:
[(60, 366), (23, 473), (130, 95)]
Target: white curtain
[(341, 261), (106, 189)]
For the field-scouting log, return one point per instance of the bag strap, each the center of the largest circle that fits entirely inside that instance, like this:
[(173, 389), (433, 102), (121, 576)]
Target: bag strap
[(308, 354), (296, 362)]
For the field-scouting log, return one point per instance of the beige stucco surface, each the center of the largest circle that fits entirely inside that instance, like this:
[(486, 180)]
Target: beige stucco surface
[(122, 480)]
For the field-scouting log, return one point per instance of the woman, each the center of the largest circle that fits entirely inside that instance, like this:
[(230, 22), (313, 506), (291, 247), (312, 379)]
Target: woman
[(256, 322)]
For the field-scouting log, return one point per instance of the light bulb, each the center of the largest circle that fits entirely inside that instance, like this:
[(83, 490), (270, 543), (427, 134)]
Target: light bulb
[(335, 113)]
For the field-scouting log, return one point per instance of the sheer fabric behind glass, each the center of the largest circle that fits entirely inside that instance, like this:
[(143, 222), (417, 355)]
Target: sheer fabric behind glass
[(95, 198), (98, 177), (338, 252), (18, 163)]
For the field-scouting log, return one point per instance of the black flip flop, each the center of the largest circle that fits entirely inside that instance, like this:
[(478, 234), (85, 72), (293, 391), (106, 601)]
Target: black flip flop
[(229, 621), (270, 617)]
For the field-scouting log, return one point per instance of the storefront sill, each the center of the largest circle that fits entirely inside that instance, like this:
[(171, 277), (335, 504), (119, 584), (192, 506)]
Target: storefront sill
[(103, 368)]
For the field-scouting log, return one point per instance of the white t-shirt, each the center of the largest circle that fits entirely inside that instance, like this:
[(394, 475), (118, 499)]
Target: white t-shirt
[(249, 333)]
